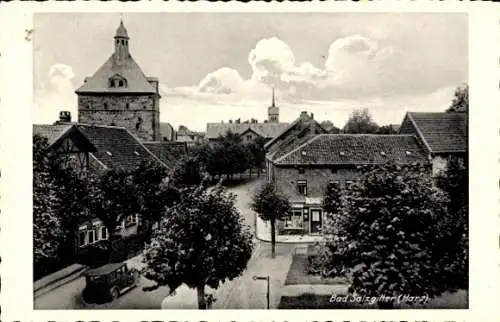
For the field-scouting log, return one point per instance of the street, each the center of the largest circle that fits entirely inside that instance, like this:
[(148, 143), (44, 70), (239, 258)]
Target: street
[(243, 292)]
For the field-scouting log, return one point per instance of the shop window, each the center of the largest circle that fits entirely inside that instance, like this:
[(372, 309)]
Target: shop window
[(302, 187), (294, 220)]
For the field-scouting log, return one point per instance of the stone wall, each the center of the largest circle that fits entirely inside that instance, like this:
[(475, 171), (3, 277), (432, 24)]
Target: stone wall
[(137, 113), (317, 179)]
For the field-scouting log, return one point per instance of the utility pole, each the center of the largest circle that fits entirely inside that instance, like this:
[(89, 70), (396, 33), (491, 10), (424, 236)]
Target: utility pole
[(264, 278)]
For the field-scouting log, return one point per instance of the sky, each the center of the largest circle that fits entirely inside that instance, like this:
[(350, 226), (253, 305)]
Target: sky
[(221, 66)]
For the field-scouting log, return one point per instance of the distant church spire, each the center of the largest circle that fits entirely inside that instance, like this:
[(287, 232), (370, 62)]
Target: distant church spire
[(121, 43), (273, 112)]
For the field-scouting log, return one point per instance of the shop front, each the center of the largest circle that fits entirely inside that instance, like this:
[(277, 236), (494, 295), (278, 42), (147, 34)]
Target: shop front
[(305, 218)]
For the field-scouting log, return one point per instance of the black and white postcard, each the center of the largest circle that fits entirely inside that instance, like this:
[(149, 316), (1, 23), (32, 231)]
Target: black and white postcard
[(274, 159)]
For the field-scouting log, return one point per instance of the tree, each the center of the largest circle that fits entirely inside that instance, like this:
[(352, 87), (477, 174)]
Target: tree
[(112, 199), (270, 205), (386, 129), (331, 201), (187, 172), (359, 122), (201, 241), (385, 236), (152, 193), (258, 153), (460, 102), (47, 229), (453, 229)]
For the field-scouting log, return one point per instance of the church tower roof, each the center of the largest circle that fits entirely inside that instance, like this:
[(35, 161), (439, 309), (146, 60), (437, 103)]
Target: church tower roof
[(121, 32), (120, 73)]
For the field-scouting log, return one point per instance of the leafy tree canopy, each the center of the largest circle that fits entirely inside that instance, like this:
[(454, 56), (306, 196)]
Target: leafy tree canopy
[(360, 121), (387, 236), (202, 240), (460, 102)]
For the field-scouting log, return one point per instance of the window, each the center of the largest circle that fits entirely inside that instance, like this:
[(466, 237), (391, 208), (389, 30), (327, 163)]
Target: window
[(302, 170), (91, 236), (82, 238), (120, 83), (130, 220), (104, 233), (105, 106), (294, 220), (249, 137), (302, 187), (334, 170), (127, 106)]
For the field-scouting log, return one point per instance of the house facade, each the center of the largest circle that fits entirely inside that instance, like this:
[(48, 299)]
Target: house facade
[(441, 134), (304, 169), (187, 136), (167, 132)]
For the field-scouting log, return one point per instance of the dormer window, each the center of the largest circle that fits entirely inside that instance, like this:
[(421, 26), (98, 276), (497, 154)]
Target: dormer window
[(117, 81)]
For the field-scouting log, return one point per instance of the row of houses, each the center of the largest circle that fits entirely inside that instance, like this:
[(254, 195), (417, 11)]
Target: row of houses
[(304, 158), (98, 148)]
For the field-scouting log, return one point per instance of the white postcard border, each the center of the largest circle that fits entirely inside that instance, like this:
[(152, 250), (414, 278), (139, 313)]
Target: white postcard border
[(16, 94)]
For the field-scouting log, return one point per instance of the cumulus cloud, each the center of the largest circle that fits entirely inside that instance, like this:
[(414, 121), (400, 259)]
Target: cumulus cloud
[(223, 81), (56, 94), (355, 66)]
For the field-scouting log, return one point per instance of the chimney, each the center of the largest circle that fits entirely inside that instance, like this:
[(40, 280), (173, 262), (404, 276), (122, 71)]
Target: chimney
[(65, 117), (230, 121), (312, 116), (304, 115)]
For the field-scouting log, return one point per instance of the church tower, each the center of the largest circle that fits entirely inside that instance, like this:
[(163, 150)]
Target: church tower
[(273, 112), (120, 94)]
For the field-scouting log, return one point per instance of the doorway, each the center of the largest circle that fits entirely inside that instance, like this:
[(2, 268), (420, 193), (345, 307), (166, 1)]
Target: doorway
[(316, 221)]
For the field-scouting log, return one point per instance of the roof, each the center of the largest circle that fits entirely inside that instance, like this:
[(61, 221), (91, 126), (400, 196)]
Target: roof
[(105, 269), (266, 130), (56, 134), (136, 80), (302, 122), (52, 132), (441, 132), (116, 147), (121, 31), (168, 152), (355, 149)]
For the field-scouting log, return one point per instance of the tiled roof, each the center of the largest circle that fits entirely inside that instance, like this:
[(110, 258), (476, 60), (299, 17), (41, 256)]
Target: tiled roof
[(441, 132), (51, 132), (136, 80), (355, 149), (168, 152), (266, 130), (116, 147), (290, 132)]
